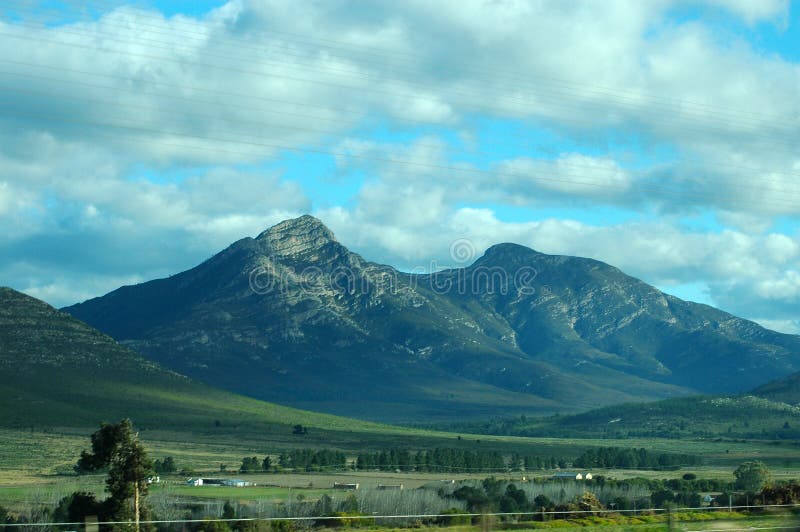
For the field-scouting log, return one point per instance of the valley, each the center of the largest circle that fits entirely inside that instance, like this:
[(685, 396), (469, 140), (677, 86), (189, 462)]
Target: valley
[(431, 377)]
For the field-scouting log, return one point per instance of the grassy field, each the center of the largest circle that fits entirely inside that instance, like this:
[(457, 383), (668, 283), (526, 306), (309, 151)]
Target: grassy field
[(37, 466), (25, 452)]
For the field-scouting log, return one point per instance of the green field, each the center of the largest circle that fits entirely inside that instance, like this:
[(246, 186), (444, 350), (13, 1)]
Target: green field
[(38, 465), (68, 377)]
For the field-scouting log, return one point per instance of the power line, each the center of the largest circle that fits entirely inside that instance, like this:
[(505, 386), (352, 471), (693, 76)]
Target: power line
[(118, 89), (218, 66), (683, 195), (316, 81), (415, 516), (381, 59), (558, 163), (555, 101), (398, 162)]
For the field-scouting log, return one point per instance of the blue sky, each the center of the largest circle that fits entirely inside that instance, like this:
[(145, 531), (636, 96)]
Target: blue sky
[(139, 138)]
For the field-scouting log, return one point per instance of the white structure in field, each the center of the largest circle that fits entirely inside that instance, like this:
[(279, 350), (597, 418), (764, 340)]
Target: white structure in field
[(566, 475)]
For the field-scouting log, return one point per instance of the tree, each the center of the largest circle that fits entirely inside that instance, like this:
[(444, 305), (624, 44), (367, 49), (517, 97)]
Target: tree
[(588, 502), (518, 495), (166, 466), (76, 507), (250, 465), (661, 497), (475, 498), (228, 511), (751, 476), (542, 502), (117, 449), (5, 517)]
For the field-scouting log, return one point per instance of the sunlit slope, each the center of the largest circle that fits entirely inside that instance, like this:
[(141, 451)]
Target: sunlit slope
[(57, 371)]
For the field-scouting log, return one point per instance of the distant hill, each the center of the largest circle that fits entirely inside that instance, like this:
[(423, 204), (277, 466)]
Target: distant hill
[(743, 416), (294, 317), (56, 371), (785, 390)]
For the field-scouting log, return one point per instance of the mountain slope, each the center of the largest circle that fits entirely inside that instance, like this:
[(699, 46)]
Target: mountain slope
[(292, 316), (57, 371), (744, 416), (585, 312), (785, 390)]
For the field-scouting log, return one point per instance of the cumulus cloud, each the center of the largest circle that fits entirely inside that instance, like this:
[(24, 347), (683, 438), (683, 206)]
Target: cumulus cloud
[(752, 12), (133, 145)]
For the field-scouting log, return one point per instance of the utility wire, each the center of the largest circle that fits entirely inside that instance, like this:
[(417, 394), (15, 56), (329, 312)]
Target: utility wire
[(217, 66), (679, 104), (416, 516), (556, 99), (398, 162), (559, 103), (137, 91), (610, 172), (286, 148), (117, 89)]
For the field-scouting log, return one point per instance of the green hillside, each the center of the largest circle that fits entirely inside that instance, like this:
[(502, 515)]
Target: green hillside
[(745, 416), (784, 390), (55, 371)]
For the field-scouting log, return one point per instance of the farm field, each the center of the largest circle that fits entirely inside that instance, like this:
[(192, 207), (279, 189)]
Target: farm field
[(36, 468), (32, 453)]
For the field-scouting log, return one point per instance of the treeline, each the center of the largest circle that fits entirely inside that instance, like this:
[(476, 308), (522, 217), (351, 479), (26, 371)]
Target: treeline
[(312, 459), (442, 460), (688, 483), (706, 417), (437, 460), (167, 465), (610, 457)]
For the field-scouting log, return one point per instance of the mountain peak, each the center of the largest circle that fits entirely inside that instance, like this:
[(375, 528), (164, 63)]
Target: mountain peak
[(297, 235), (507, 251)]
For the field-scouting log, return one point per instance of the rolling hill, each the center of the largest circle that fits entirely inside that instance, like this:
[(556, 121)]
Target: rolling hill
[(786, 390), (294, 317), (56, 371), (695, 417)]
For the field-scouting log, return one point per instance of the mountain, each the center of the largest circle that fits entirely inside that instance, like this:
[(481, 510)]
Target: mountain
[(292, 316), (56, 371)]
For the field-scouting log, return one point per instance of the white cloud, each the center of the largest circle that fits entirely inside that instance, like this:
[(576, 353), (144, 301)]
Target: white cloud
[(68, 289), (741, 272), (639, 111), (784, 326), (571, 174), (786, 287), (5, 198), (752, 12)]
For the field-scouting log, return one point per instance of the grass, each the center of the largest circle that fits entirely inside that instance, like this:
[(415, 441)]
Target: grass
[(53, 451), (38, 464)]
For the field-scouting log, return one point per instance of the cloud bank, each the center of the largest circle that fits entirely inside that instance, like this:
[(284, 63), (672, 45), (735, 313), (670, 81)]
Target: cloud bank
[(656, 136)]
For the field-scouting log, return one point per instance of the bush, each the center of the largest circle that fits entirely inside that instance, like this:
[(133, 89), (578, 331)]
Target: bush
[(210, 525), (5, 517), (453, 516), (77, 506), (349, 519), (283, 526)]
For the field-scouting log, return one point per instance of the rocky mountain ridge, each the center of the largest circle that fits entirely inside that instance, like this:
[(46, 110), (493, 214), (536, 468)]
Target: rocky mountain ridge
[(293, 317), (56, 371)]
